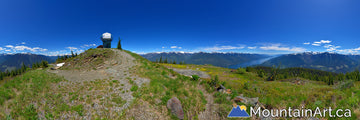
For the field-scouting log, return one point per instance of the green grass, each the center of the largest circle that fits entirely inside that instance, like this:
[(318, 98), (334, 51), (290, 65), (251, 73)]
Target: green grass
[(23, 90), (163, 87), (282, 93), (89, 59)]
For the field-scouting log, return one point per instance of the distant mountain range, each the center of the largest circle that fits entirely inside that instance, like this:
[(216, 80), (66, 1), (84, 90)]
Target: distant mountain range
[(216, 59), (325, 61), (13, 61)]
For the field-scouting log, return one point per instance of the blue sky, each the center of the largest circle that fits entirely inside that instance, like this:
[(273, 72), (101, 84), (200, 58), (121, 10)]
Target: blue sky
[(253, 26)]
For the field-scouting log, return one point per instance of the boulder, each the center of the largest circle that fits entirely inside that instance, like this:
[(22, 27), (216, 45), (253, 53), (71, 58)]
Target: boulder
[(221, 88), (246, 100), (174, 105)]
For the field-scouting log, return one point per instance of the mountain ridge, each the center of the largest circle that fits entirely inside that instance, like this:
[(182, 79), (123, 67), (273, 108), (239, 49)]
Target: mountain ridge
[(327, 61)]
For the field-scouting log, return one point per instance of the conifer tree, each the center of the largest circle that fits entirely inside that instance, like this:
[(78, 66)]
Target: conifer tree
[(1, 76), (166, 60), (160, 61), (119, 44), (72, 54), (44, 64)]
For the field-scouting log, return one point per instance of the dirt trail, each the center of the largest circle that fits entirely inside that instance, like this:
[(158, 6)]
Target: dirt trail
[(210, 112), (103, 85)]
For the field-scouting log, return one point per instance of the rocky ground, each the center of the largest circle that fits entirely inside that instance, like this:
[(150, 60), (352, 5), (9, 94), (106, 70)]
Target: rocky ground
[(189, 72), (104, 91)]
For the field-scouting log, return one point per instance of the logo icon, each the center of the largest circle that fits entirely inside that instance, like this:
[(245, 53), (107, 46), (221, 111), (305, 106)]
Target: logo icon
[(238, 111)]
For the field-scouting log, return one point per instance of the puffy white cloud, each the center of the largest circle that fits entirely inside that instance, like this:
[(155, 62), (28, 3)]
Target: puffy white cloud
[(252, 47), (325, 41), (72, 48), (22, 47), (278, 47), (88, 45), (357, 48), (2, 48), (306, 43), (318, 43), (174, 47), (315, 44), (9, 46), (217, 48), (23, 43)]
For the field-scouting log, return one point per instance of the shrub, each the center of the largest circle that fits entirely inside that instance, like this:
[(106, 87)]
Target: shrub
[(345, 84), (195, 77), (134, 88), (241, 71), (214, 81)]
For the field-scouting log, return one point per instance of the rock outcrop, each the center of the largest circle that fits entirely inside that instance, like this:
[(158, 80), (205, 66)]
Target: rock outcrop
[(174, 105)]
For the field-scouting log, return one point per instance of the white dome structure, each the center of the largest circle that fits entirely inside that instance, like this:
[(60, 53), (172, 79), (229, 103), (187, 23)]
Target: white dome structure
[(106, 35), (106, 38)]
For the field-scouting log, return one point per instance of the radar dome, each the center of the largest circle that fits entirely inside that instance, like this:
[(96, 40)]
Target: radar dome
[(106, 35)]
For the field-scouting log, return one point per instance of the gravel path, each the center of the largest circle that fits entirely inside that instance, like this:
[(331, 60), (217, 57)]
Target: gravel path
[(114, 69), (210, 112)]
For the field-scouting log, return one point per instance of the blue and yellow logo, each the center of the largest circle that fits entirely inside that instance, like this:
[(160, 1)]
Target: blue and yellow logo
[(238, 111)]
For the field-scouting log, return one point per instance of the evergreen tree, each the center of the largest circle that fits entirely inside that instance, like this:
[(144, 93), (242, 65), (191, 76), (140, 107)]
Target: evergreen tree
[(1, 76), (174, 62), (160, 61), (7, 73), (166, 60), (44, 64), (23, 67), (72, 54), (119, 44)]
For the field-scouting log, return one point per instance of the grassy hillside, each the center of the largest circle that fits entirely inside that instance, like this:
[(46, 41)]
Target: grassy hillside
[(39, 94), (292, 92), (165, 84), (42, 94)]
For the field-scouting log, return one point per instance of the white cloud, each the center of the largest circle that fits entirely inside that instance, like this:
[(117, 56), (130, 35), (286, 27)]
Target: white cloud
[(174, 47), (72, 48), (278, 47), (325, 41), (357, 48), (9, 46), (318, 43), (23, 43), (217, 48), (307, 43), (22, 48), (252, 47), (315, 44), (163, 47), (88, 45), (2, 48)]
